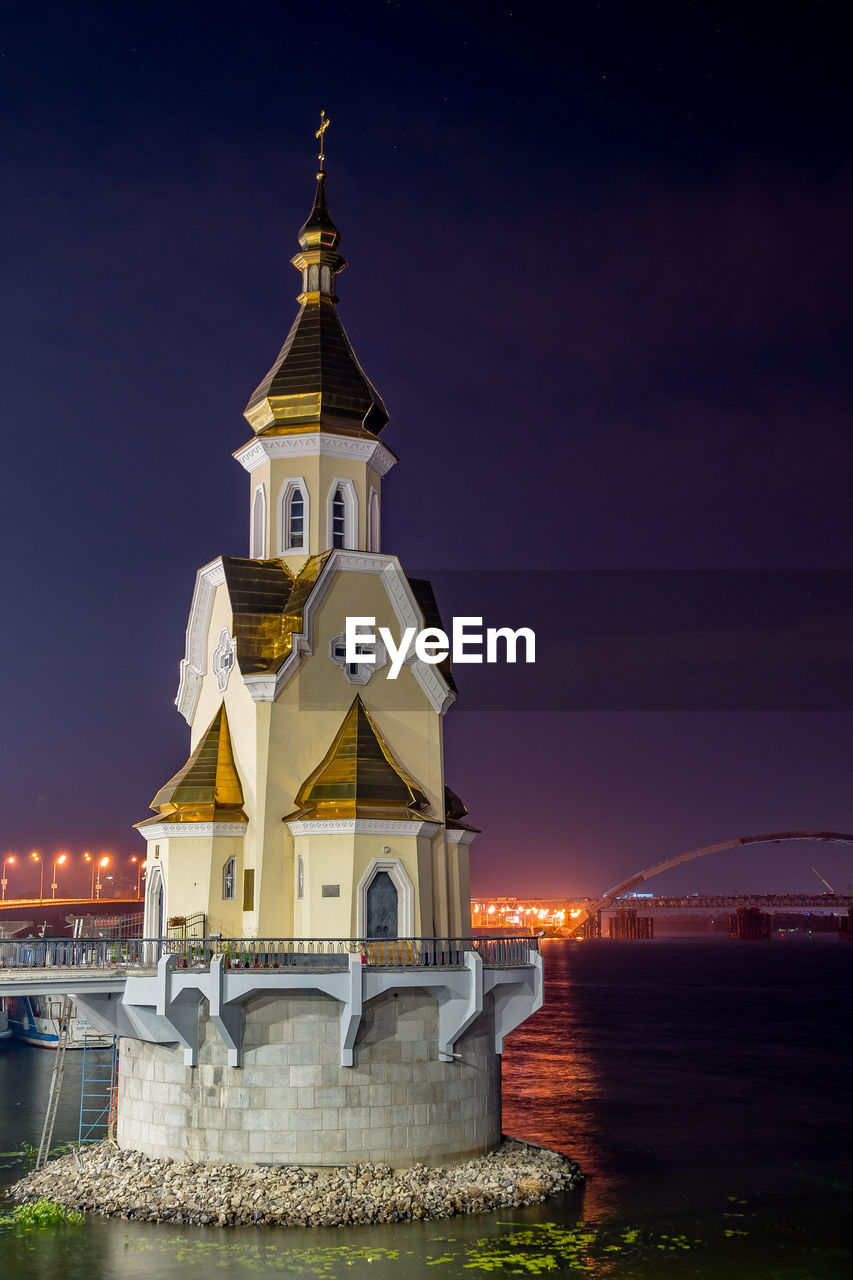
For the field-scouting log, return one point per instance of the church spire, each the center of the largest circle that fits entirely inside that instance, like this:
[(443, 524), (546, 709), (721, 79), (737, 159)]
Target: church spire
[(317, 382), (319, 231)]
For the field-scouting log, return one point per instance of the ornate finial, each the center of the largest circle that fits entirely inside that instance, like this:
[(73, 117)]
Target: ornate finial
[(324, 124)]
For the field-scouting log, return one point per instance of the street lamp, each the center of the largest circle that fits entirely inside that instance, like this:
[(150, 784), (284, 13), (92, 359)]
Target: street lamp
[(7, 861), (36, 857), (87, 857), (57, 862), (138, 862), (103, 862)]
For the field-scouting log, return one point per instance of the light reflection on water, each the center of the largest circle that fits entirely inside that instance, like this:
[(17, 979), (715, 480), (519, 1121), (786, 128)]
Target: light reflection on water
[(703, 1087)]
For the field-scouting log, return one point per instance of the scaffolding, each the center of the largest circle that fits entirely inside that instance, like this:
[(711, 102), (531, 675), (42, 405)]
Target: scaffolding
[(98, 1089)]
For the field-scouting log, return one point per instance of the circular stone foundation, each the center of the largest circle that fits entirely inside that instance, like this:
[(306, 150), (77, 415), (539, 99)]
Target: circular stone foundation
[(291, 1102)]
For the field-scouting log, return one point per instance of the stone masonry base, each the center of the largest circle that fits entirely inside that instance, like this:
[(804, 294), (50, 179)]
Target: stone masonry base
[(293, 1103)]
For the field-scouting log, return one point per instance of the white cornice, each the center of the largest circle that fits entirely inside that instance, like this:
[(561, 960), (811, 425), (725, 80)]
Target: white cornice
[(457, 836), (178, 830), (360, 826), (311, 444), (194, 664)]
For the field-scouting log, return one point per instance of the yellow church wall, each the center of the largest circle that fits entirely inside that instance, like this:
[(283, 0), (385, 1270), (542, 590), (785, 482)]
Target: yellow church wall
[(440, 889), (342, 860), (409, 725), (319, 473), (248, 723), (192, 869), (459, 885), (327, 859), (277, 745)]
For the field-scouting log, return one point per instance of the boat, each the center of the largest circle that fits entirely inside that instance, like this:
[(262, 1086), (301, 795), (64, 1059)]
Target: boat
[(5, 1029), (35, 1020)]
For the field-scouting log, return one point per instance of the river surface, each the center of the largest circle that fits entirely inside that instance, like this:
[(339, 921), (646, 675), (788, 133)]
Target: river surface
[(703, 1086)]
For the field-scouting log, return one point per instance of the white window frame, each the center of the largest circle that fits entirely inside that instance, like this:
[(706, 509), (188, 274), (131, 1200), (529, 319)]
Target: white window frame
[(295, 485), (350, 498), (374, 521), (405, 896), (258, 530), (300, 877), (154, 882), (357, 672), (232, 875)]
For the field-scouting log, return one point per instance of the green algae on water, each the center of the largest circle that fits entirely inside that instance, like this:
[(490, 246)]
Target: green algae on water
[(40, 1215)]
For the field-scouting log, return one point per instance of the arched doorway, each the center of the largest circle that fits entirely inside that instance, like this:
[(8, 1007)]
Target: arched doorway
[(382, 907), (154, 925)]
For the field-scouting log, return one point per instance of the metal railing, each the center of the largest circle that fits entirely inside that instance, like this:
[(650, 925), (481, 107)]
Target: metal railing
[(191, 926), (134, 954)]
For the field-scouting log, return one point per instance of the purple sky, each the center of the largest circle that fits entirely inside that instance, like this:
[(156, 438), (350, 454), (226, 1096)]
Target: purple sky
[(601, 277)]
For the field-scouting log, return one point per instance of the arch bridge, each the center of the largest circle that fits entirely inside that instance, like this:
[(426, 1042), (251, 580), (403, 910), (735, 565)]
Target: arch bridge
[(610, 898)]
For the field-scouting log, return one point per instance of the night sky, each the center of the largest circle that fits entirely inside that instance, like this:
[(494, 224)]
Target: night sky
[(599, 272)]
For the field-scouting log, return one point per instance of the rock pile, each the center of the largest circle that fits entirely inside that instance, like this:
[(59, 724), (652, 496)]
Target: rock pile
[(126, 1184)]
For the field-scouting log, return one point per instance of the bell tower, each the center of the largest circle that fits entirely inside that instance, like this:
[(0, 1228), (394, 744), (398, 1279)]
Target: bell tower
[(316, 463)]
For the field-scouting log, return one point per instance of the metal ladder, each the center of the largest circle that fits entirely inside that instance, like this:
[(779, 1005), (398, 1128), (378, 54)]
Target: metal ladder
[(56, 1078)]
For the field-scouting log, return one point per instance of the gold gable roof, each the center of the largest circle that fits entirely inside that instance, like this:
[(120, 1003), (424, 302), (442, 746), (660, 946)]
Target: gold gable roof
[(207, 788), (267, 601), (359, 778)]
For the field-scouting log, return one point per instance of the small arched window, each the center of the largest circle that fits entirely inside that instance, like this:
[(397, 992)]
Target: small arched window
[(373, 536), (293, 522), (300, 877), (339, 519), (259, 519), (342, 514), (296, 520), (229, 879)]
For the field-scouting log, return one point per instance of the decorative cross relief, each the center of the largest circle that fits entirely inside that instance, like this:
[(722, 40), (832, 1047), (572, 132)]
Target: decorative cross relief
[(356, 672), (223, 659)]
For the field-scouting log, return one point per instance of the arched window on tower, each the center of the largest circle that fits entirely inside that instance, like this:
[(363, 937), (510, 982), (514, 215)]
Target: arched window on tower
[(373, 536), (293, 516), (296, 520), (339, 519), (342, 515), (259, 519)]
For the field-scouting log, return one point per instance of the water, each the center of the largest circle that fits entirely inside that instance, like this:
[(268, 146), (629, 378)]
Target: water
[(702, 1085)]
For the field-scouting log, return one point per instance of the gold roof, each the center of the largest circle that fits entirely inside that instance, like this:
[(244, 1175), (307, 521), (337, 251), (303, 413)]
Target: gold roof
[(267, 601), (207, 788), (316, 380), (454, 811), (359, 778)]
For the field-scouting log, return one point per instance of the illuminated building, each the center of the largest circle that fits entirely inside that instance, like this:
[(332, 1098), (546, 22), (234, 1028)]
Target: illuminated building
[(313, 806)]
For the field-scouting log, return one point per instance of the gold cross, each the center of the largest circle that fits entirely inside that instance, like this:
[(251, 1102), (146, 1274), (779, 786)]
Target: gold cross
[(324, 124)]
